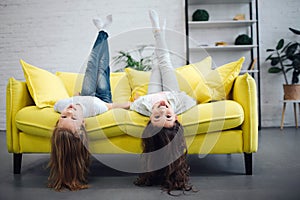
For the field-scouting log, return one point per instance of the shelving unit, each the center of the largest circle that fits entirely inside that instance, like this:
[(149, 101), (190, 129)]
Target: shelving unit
[(203, 35), (225, 23), (227, 47)]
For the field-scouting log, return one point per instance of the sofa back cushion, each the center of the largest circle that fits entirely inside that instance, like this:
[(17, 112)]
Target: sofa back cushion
[(192, 75), (120, 87), (216, 83), (188, 78), (44, 87), (198, 80), (138, 81), (72, 81)]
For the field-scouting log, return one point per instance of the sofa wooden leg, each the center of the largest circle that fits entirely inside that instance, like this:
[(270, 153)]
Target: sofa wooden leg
[(248, 163), (17, 163)]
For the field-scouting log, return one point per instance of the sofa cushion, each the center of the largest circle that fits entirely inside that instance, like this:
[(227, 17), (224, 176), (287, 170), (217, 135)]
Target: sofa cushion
[(198, 80), (120, 87), (138, 81), (212, 117), (188, 77), (208, 117), (44, 87), (40, 122), (72, 81), (217, 83)]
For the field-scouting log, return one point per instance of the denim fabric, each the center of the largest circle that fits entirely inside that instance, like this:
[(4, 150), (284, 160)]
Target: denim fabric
[(96, 80)]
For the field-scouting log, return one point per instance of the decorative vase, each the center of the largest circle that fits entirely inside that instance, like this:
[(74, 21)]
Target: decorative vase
[(291, 92)]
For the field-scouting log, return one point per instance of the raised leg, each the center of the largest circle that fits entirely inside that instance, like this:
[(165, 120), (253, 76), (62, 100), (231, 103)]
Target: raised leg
[(103, 90), (96, 80), (168, 76), (155, 83), (248, 163), (17, 163)]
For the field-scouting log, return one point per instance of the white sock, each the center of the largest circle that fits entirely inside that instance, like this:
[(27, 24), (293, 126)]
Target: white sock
[(163, 27), (154, 18), (103, 25)]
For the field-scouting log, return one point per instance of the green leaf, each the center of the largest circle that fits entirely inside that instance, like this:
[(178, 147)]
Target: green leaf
[(275, 61), (142, 63), (270, 50), (297, 56), (291, 49), (296, 64), (288, 69), (274, 70), (280, 44), (295, 31), (269, 57), (285, 47)]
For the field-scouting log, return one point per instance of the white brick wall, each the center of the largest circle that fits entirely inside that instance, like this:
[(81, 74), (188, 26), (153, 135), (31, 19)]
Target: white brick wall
[(57, 36), (276, 17)]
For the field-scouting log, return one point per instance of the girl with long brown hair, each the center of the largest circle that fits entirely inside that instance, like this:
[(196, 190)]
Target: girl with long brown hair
[(163, 142), (70, 156), (70, 159)]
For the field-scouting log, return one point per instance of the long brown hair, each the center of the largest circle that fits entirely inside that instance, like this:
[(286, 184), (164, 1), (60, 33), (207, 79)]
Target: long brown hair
[(69, 159), (174, 176)]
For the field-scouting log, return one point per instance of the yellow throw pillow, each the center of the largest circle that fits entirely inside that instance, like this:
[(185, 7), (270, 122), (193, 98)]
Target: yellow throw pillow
[(198, 80), (44, 87), (218, 81), (72, 81), (189, 76), (120, 88), (139, 81)]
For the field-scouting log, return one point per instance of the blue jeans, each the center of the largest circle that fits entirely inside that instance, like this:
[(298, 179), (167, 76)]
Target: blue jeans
[(96, 80)]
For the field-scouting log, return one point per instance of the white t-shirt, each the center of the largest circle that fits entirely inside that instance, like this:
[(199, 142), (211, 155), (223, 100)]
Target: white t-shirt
[(179, 101), (91, 106)]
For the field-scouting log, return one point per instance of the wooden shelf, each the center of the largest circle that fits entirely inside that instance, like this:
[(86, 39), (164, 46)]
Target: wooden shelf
[(227, 47), (195, 2), (243, 71), (221, 24)]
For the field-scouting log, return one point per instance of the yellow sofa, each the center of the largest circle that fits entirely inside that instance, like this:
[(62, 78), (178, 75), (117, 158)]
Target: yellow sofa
[(216, 125)]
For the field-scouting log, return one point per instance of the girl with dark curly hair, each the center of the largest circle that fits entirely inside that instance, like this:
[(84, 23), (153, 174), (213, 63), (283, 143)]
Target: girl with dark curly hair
[(164, 147)]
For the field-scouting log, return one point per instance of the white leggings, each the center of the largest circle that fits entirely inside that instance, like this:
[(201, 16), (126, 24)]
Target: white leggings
[(163, 77)]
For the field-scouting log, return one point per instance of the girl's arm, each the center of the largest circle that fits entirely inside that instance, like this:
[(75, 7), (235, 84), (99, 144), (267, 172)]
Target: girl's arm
[(125, 105)]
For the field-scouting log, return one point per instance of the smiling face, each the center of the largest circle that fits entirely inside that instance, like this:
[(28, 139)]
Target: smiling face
[(71, 118), (163, 115)]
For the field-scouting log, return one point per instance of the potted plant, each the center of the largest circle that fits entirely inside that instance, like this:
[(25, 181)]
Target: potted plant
[(135, 59), (285, 58)]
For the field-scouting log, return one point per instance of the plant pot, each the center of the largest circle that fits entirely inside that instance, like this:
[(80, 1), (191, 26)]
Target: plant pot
[(291, 92)]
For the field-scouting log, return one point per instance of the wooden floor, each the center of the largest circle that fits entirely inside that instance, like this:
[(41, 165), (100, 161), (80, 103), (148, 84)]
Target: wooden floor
[(276, 175)]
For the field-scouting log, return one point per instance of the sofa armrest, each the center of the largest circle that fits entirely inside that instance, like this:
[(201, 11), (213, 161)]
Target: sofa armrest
[(17, 97), (245, 93)]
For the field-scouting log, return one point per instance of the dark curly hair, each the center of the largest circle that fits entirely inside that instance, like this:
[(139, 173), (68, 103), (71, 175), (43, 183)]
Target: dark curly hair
[(174, 176)]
